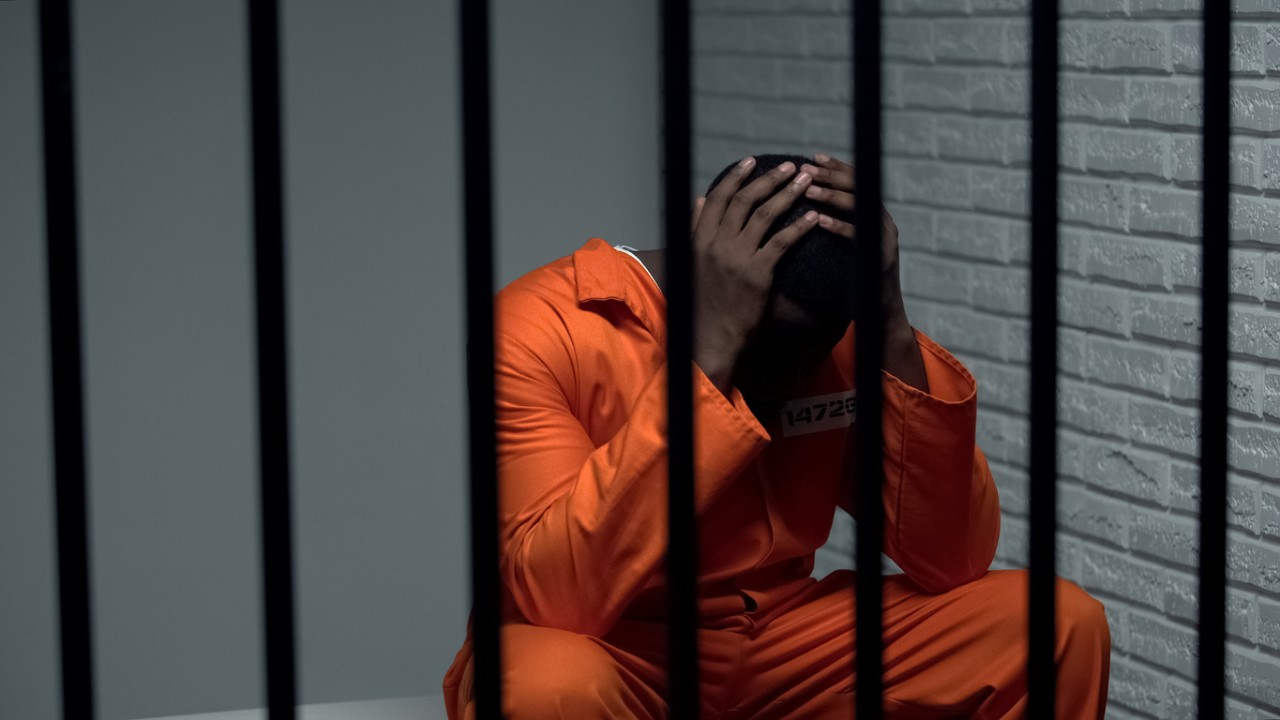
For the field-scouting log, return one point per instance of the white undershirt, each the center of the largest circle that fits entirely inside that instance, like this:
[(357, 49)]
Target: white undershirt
[(632, 252)]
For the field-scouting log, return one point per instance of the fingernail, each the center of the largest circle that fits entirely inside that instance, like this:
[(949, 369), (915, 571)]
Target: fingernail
[(786, 167), (811, 216), (802, 178), (820, 157), (813, 191), (824, 220), (747, 162)]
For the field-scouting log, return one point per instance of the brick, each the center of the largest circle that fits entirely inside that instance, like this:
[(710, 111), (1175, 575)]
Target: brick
[(827, 126), (719, 34), (1184, 487), (1182, 601), (1269, 623), (973, 236), (1019, 241), (1070, 450), (1271, 165), (932, 88), (722, 116), (1099, 518), (1001, 289), (1096, 8), (967, 330), (1098, 203), (1127, 46), (998, 7), (1254, 218), (1253, 675), (1255, 332), (820, 80), (1165, 426), (1135, 473), (905, 39), (1142, 8), (1255, 107), (1092, 409), (1073, 45), (1166, 102), (1002, 191), (934, 183), (1073, 139), (1092, 98), (1173, 319), (775, 35), (1092, 307), (931, 7), (1002, 385), (1174, 212), (1271, 395), (1254, 448), (1136, 261), (1271, 52), (1017, 41), (828, 39), (1000, 91), (737, 76), (780, 122), (1137, 581), (1017, 344), (1073, 249), (1187, 158), (1246, 48), (1165, 536), (1129, 152), (1136, 687), (936, 279), (1164, 643), (1122, 363), (1013, 488), (1012, 546), (979, 139), (1071, 358), (1254, 563), (969, 40), (909, 134), (1244, 384)]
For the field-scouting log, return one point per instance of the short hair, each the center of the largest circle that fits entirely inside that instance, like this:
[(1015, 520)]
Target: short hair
[(817, 271)]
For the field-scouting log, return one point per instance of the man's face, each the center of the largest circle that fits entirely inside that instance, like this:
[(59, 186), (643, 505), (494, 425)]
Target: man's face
[(788, 348)]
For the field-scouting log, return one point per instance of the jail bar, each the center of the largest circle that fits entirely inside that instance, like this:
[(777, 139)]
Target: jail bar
[(66, 373), (1216, 233), (869, 350), (682, 527), (477, 196), (273, 379), (1041, 673)]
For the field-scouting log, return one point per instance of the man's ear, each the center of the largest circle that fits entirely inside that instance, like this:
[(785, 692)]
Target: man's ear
[(697, 210)]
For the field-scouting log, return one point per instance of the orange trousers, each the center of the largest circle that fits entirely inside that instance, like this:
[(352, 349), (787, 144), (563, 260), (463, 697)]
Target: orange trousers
[(958, 654)]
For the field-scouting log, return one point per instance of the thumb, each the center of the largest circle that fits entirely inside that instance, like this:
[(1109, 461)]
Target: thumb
[(697, 211)]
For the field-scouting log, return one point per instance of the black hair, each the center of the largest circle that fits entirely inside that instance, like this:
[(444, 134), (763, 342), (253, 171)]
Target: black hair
[(816, 272)]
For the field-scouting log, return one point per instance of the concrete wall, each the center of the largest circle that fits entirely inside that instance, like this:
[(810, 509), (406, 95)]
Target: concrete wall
[(774, 75), (375, 299)]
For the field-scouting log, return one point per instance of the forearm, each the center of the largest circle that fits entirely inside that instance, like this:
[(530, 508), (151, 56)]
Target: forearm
[(902, 357)]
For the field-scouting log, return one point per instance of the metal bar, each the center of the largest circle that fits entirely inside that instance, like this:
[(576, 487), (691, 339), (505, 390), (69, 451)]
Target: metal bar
[(477, 179), (869, 336), (1216, 233), (1041, 673), (273, 380), (682, 529), (66, 358)]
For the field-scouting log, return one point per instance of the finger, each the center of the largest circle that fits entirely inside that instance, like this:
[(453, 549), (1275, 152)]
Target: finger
[(765, 215), (837, 199), (714, 208), (785, 238), (748, 197), (697, 210), (838, 227), (831, 172)]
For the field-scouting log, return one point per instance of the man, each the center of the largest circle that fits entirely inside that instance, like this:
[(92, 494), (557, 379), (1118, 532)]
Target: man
[(581, 420)]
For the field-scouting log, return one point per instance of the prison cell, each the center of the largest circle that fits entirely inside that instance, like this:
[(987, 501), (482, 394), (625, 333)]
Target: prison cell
[(67, 392)]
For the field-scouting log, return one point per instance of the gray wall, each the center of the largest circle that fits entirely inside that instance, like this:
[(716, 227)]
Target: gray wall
[(375, 342), (773, 74)]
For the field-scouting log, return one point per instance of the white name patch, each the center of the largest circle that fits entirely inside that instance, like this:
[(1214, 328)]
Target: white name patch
[(820, 412)]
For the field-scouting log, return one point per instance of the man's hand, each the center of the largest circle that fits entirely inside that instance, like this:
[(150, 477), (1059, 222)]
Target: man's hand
[(833, 184), (734, 272)]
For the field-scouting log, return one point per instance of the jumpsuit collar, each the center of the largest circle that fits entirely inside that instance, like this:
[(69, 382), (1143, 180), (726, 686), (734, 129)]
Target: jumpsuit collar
[(604, 274)]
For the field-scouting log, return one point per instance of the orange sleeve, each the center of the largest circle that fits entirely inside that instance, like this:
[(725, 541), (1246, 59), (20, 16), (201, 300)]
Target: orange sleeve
[(942, 511), (583, 528)]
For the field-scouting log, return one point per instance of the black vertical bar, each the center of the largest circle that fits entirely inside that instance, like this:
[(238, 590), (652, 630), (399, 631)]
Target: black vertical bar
[(273, 380), (477, 179), (682, 537), (869, 348), (63, 262), (1216, 234), (1041, 673)]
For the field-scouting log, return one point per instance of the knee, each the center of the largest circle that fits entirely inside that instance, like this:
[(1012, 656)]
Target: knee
[(548, 673)]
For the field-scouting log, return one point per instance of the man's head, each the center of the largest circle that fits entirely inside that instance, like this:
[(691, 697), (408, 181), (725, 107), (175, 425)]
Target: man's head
[(810, 304)]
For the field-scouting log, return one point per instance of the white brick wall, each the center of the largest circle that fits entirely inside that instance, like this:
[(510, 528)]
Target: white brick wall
[(774, 75)]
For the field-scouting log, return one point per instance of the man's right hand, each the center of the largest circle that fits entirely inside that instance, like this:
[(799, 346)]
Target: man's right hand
[(733, 271)]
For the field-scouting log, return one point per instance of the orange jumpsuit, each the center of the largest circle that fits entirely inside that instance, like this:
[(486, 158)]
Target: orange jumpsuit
[(581, 376)]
